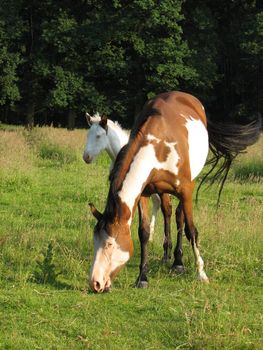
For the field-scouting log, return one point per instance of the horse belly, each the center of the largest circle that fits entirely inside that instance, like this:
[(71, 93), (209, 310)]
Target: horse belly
[(198, 146), (159, 187)]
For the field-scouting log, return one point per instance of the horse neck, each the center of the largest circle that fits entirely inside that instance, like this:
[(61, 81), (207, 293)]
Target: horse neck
[(117, 138), (131, 176)]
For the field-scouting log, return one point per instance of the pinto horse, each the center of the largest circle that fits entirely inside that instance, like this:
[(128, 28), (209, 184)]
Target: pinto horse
[(167, 149), (104, 134)]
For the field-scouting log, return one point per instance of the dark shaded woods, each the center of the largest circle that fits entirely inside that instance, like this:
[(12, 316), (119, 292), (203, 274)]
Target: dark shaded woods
[(59, 59)]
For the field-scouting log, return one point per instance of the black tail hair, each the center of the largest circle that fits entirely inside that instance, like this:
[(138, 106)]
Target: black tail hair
[(226, 141)]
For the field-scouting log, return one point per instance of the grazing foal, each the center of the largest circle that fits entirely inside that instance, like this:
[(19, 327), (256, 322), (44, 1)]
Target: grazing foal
[(104, 134), (167, 149)]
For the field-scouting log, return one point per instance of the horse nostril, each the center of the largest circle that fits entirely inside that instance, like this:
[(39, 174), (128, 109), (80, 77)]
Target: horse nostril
[(97, 287), (86, 158)]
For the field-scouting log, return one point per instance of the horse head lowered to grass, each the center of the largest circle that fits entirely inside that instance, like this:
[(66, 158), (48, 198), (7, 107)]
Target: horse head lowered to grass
[(167, 149)]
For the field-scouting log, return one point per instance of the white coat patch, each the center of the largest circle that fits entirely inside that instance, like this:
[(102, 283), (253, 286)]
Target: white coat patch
[(143, 163), (198, 145), (152, 138)]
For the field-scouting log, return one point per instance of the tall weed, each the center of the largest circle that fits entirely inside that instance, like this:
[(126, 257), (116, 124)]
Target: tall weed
[(46, 269)]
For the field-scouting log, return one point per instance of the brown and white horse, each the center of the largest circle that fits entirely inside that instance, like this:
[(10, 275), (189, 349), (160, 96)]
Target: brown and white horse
[(167, 149)]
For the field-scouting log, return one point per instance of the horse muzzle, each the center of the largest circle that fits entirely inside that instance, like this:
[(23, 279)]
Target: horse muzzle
[(87, 158), (100, 287)]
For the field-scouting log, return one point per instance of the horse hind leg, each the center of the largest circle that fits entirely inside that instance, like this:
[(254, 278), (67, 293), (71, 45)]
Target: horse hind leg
[(192, 233), (156, 201), (167, 213), (178, 251)]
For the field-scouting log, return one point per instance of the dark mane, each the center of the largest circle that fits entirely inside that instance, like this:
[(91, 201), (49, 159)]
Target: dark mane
[(147, 111), (115, 185), (114, 177)]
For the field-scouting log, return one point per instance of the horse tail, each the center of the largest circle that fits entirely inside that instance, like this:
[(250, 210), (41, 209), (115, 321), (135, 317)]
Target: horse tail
[(226, 142)]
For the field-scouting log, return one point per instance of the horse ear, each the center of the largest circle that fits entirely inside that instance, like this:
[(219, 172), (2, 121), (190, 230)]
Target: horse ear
[(88, 118), (95, 212), (103, 122)]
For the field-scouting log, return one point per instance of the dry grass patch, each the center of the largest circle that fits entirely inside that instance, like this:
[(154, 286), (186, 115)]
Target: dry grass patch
[(15, 152), (74, 139), (18, 147)]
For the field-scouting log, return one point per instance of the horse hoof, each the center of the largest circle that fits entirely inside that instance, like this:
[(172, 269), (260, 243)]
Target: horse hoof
[(142, 284), (178, 269), (203, 278), (165, 260)]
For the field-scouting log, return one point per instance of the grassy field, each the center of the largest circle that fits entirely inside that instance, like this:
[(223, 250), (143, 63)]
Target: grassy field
[(46, 250)]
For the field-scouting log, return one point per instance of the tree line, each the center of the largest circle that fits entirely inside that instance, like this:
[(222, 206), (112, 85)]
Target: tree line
[(59, 59)]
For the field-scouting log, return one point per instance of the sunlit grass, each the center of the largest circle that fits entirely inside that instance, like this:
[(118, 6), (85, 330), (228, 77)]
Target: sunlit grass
[(249, 166), (40, 204)]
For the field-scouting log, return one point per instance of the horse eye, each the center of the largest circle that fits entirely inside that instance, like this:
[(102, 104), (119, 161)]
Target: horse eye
[(98, 136), (108, 245)]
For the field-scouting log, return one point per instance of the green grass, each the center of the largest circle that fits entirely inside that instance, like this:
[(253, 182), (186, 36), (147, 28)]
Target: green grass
[(252, 169), (46, 230), (56, 155)]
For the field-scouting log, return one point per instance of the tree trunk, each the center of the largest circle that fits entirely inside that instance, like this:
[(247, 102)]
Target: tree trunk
[(6, 114), (45, 117), (138, 102), (30, 116), (71, 119)]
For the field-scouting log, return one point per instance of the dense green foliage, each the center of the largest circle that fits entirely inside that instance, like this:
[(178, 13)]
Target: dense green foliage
[(61, 58), (46, 252)]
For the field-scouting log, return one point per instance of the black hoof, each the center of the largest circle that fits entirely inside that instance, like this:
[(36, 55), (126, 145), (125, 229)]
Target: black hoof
[(178, 269), (141, 284)]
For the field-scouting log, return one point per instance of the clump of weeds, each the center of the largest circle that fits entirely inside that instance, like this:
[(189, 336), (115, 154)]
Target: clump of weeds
[(46, 269)]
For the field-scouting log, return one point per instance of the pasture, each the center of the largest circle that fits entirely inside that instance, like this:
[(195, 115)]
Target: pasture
[(46, 251)]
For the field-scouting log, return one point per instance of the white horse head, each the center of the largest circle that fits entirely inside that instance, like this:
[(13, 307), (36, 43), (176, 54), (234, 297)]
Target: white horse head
[(97, 139), (103, 134)]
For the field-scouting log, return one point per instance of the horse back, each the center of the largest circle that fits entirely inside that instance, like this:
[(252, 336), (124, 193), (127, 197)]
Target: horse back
[(174, 108), (178, 119)]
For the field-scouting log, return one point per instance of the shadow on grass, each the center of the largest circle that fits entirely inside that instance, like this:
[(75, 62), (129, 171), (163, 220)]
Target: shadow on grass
[(158, 269), (56, 285)]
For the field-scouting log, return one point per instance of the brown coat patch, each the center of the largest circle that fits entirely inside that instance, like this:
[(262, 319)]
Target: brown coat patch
[(161, 150), (121, 232)]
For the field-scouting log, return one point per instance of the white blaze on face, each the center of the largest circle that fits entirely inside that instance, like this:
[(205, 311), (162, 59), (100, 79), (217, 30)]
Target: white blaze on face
[(198, 145), (142, 165), (119, 257), (108, 256)]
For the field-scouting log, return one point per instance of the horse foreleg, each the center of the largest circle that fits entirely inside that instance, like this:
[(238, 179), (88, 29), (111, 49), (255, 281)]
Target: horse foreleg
[(192, 232), (178, 251), (144, 233), (167, 213), (156, 201)]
